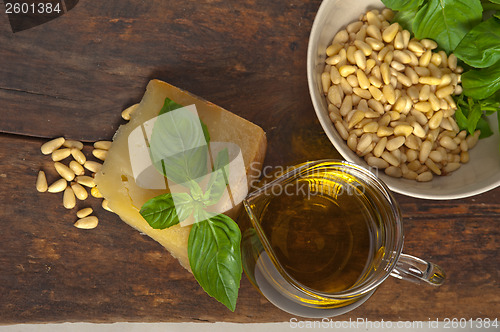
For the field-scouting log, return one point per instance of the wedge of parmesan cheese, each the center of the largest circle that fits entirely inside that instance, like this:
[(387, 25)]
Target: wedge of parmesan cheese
[(116, 181)]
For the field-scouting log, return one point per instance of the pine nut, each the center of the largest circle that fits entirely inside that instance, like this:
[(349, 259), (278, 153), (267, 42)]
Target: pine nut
[(370, 127), (361, 45), (384, 131), (425, 59), (356, 118), (370, 63), (103, 145), (448, 143), (64, 171), (415, 46), (380, 147), (429, 44), (87, 223), (92, 166), (105, 205), (377, 162), (346, 106), (100, 154), (403, 130), (436, 156), (444, 92), (395, 143), (412, 75), (436, 59), (69, 143), (432, 166), (341, 37), (385, 72), (390, 158), (352, 80), (403, 79), (452, 62), (374, 44), (58, 186), (78, 155), (445, 80), (333, 49), (335, 75), (127, 113), (69, 200), (333, 96), (51, 146), (375, 93), (325, 82), (424, 177), (425, 150), (76, 167), (79, 191), (397, 65), (365, 94), (354, 27), (347, 70), (352, 141), (399, 41), (376, 105), (360, 59), (411, 155), (410, 175), (429, 80), (333, 60), (390, 32), (84, 212), (401, 57), (345, 87), (394, 171), (423, 106), (41, 182), (372, 18), (436, 119), (60, 154), (86, 181), (350, 54), (389, 94), (444, 58), (363, 81), (364, 142), (451, 167), (424, 93)]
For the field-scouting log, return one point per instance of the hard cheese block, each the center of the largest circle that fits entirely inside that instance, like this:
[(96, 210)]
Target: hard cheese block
[(116, 182)]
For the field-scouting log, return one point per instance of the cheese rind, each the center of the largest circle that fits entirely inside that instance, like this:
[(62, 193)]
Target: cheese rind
[(116, 182)]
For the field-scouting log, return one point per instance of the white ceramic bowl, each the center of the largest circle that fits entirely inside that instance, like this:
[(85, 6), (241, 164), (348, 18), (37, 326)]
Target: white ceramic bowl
[(481, 174)]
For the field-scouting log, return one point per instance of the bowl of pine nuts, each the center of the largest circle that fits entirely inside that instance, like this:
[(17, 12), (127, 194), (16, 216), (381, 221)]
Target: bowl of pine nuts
[(385, 101)]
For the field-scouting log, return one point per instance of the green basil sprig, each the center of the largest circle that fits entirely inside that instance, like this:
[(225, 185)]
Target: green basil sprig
[(180, 152)]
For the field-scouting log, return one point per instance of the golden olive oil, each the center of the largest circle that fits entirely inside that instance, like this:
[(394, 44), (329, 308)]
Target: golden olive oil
[(319, 230)]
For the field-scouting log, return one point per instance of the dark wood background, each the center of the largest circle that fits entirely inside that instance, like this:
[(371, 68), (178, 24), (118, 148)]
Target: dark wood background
[(72, 77)]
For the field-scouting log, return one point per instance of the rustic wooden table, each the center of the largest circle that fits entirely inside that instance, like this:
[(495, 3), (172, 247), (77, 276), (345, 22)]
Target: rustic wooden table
[(72, 77)]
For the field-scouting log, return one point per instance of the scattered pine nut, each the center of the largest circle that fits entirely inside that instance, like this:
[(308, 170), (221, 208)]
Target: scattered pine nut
[(79, 191), (64, 171), (60, 154), (69, 143), (84, 212), (92, 166), (51, 146), (41, 182), (86, 181), (100, 154), (76, 167), (78, 155), (87, 222), (103, 145), (69, 200), (58, 186)]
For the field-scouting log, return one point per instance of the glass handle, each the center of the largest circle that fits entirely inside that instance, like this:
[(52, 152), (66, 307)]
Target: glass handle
[(417, 270)]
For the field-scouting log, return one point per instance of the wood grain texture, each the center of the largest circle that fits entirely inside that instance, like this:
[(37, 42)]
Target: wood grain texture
[(74, 75)]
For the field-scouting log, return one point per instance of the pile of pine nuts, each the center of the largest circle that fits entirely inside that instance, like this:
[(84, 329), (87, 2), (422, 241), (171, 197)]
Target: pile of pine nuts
[(73, 179), (390, 98)]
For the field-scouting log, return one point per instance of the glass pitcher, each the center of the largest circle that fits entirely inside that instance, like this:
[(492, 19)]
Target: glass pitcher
[(323, 236)]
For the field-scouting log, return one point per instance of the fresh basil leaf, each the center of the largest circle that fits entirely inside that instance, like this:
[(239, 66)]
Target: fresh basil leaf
[(219, 178), (405, 18), (402, 4), (481, 83), (473, 117), (447, 21), (178, 147), (215, 258), (484, 127), (497, 15), (480, 48), (495, 1), (460, 117), (169, 105), (160, 212)]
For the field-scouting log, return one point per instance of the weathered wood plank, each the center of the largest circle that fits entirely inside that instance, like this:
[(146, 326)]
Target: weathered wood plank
[(52, 272)]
